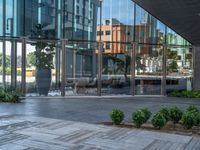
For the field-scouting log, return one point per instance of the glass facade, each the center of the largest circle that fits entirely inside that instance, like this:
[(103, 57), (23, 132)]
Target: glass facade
[(101, 48)]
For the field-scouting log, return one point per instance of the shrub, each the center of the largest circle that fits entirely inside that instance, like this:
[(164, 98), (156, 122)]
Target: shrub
[(197, 119), (188, 120), (9, 94), (159, 120), (193, 108), (141, 116), (175, 114), (138, 118), (147, 114), (165, 113), (117, 116)]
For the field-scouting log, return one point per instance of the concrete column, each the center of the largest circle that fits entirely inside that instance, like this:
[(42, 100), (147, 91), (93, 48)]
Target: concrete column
[(196, 62)]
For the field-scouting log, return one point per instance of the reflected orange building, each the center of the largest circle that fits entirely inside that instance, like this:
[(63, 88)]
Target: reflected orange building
[(119, 34)]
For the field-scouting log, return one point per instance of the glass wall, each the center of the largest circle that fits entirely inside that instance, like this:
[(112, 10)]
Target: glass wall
[(8, 62), (81, 68), (179, 68), (116, 70), (147, 28), (1, 63), (148, 69), (138, 51), (1, 17), (18, 64), (33, 77)]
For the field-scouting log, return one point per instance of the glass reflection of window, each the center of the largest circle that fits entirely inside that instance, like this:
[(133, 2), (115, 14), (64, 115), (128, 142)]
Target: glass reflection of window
[(118, 18), (148, 28), (9, 17), (1, 17)]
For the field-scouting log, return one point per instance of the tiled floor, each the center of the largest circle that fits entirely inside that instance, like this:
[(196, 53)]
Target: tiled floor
[(19, 132)]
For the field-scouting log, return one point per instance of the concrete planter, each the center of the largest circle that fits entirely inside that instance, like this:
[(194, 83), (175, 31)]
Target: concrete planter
[(43, 81)]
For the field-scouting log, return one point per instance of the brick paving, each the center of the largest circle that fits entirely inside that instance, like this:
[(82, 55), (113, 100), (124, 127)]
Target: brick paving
[(21, 132)]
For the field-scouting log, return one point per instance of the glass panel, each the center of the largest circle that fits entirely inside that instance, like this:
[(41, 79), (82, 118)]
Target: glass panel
[(81, 68), (8, 62), (30, 71), (36, 75), (148, 29), (1, 67), (80, 19), (31, 16), (1, 17), (9, 18), (149, 70), (116, 69), (174, 39), (179, 68), (19, 64), (117, 21), (40, 12)]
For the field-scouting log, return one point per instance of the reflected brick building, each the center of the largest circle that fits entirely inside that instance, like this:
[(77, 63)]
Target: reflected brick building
[(122, 36)]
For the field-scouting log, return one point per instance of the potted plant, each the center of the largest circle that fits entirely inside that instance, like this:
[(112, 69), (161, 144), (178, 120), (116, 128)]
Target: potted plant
[(44, 62)]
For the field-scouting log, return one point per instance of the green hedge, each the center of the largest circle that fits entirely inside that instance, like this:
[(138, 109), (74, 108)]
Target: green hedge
[(184, 93), (188, 119)]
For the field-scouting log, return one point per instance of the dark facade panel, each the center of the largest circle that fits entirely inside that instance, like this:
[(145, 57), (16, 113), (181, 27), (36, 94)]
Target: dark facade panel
[(183, 16)]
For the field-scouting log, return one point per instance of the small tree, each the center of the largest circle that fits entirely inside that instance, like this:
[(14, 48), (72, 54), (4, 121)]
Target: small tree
[(31, 59)]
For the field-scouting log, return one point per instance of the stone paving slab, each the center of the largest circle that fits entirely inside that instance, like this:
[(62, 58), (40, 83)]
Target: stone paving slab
[(20, 132)]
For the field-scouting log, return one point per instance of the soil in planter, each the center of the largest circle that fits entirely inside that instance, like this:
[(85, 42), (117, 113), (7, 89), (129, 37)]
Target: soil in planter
[(168, 128)]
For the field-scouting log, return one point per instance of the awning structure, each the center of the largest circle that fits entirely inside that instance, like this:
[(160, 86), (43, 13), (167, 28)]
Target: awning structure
[(183, 16)]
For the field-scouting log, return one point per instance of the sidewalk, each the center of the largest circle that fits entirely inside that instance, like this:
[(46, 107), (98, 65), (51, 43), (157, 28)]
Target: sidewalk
[(20, 132)]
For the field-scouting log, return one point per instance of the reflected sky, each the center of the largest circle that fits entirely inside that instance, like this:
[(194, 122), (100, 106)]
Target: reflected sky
[(122, 10)]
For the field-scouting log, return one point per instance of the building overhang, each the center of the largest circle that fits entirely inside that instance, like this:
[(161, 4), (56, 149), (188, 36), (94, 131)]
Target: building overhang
[(183, 16)]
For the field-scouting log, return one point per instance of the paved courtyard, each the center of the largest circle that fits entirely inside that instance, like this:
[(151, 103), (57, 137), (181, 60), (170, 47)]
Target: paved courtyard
[(91, 109), (19, 132)]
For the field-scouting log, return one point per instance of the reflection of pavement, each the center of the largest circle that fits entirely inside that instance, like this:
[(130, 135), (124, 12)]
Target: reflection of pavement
[(104, 77), (28, 79)]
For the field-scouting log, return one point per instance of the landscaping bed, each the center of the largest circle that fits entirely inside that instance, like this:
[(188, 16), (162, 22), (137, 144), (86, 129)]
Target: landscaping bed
[(169, 120)]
